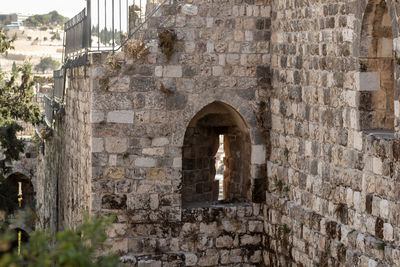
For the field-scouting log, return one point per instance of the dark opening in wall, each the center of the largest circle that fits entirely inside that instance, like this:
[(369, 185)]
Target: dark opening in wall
[(19, 183), (201, 144), (376, 77)]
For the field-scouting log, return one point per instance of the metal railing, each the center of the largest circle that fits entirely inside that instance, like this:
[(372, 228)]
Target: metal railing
[(59, 85), (106, 25), (48, 110), (77, 37)]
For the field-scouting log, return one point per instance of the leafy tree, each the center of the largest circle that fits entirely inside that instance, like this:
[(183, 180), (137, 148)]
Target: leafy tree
[(78, 247), (47, 63), (5, 43), (16, 96), (52, 18), (55, 36)]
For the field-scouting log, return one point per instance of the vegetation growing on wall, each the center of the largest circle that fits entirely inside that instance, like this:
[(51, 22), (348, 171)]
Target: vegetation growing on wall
[(167, 39), (136, 49)]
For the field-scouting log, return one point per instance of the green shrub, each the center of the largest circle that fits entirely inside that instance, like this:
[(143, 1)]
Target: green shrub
[(79, 247)]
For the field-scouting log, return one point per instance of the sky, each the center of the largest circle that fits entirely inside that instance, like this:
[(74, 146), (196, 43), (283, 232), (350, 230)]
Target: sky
[(68, 8)]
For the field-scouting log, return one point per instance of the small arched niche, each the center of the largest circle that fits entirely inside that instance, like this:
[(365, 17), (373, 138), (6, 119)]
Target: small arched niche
[(20, 183), (216, 126), (376, 76)]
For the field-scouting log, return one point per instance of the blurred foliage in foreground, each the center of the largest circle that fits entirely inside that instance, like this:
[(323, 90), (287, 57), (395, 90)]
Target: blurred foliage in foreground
[(81, 247)]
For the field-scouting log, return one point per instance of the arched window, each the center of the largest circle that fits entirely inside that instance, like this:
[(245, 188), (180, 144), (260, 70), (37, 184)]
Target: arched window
[(217, 132), (19, 183), (376, 76)]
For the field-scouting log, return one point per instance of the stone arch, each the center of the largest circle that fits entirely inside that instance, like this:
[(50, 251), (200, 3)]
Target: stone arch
[(200, 145), (375, 80), (244, 108)]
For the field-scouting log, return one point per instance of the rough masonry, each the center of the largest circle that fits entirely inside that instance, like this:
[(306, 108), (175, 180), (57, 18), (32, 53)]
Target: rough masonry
[(306, 94)]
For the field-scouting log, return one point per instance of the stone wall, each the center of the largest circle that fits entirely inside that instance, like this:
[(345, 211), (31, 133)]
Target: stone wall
[(224, 235), (49, 161), (141, 111), (64, 170), (331, 186)]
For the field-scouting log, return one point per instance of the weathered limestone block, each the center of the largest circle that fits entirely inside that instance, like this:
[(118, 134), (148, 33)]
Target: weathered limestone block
[(172, 71), (145, 162), (120, 116), (210, 258), (155, 173), (114, 173), (225, 241), (97, 145), (367, 81), (210, 229), (116, 144), (153, 151), (258, 154), (250, 240), (190, 10), (235, 256), (177, 163), (160, 141), (256, 226), (125, 186), (119, 84), (139, 201), (113, 201), (97, 116), (190, 259), (117, 230)]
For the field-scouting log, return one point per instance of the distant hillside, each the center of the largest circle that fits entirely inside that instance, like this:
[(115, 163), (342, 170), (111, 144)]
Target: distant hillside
[(52, 18)]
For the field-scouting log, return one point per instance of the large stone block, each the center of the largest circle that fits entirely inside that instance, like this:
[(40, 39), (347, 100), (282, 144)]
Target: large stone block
[(116, 144), (225, 241), (210, 258), (97, 145), (172, 71), (114, 172), (160, 141), (113, 201), (120, 116), (145, 162), (367, 81), (385, 47), (119, 84), (155, 173), (96, 116), (250, 240), (190, 259), (153, 151), (190, 10), (258, 154)]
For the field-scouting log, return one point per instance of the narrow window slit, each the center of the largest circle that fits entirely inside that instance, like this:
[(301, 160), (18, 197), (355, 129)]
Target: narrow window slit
[(220, 167)]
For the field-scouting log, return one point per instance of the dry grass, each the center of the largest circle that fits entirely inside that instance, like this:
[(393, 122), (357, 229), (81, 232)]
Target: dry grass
[(136, 49)]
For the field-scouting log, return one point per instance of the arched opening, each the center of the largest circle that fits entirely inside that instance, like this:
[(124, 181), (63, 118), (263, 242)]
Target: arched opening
[(376, 77), (21, 186), (216, 124)]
